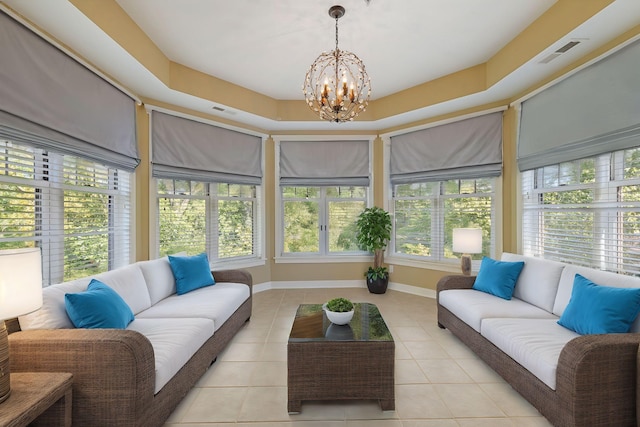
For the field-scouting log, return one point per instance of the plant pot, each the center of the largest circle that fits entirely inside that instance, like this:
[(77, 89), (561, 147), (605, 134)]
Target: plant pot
[(338, 318), (378, 286)]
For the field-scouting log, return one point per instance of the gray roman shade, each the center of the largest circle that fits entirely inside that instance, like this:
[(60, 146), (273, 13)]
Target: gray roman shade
[(50, 100), (470, 148), (321, 163), (191, 150), (594, 111)]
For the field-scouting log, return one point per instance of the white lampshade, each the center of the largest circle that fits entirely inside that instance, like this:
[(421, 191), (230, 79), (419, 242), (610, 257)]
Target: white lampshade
[(20, 282), (467, 240)]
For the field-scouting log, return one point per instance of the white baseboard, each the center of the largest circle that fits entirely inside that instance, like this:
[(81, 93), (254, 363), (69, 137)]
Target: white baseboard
[(319, 284)]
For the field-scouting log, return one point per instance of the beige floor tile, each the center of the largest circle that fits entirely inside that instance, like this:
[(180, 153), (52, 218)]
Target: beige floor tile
[(227, 374), (509, 400), (410, 333), (467, 400), (429, 423), (439, 381), (443, 371), (242, 352), (485, 422), (367, 410), (408, 372), (274, 352), (479, 371), (374, 423), (264, 404), (419, 401), (215, 405), (425, 350), (269, 374)]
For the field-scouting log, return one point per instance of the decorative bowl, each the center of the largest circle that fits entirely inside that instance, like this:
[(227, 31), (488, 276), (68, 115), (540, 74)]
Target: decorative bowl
[(336, 317)]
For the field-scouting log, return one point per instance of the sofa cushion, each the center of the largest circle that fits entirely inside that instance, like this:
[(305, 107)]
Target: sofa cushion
[(538, 281), (191, 272), (473, 306), (52, 314), (604, 278), (533, 343), (98, 307), (129, 283), (498, 277), (159, 278), (217, 303), (174, 342), (595, 309)]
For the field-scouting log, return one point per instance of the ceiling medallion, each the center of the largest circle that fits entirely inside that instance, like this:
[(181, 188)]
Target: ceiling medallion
[(337, 86)]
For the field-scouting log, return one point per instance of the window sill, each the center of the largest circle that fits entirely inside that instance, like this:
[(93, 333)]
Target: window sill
[(451, 266), (317, 259), (242, 263)]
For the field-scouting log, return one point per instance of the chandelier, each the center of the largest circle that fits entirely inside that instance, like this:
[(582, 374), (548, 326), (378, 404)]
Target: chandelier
[(337, 86)]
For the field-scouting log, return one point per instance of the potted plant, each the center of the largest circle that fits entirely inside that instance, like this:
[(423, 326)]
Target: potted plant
[(374, 232), (339, 310)]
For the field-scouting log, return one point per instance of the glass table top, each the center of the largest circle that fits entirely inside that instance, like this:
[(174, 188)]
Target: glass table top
[(311, 324)]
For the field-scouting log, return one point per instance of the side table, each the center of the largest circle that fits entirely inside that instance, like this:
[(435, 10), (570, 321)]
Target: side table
[(38, 399)]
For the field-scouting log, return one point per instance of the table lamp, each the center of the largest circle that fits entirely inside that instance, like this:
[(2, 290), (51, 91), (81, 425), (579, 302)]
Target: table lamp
[(467, 241), (20, 293)]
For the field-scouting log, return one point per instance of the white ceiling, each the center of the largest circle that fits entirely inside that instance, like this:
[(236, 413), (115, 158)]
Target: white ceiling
[(267, 46)]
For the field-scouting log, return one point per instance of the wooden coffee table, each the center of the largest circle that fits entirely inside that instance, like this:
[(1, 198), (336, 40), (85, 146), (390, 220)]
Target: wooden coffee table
[(331, 362)]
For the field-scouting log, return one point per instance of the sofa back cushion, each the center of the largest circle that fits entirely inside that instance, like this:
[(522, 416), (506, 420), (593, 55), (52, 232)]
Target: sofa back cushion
[(539, 280), (159, 278), (53, 314), (127, 281), (600, 277)]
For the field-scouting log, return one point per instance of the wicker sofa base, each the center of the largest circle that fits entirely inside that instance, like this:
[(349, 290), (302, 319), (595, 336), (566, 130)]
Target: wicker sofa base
[(596, 382), (114, 370)]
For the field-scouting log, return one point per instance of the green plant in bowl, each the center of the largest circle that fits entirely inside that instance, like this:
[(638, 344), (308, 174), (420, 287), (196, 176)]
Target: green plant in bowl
[(339, 305)]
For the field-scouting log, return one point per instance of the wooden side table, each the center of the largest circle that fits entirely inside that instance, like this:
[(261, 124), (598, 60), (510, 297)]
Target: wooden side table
[(42, 399)]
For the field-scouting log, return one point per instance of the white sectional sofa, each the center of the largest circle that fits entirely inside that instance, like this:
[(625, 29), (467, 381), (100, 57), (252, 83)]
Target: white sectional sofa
[(572, 379), (134, 376)]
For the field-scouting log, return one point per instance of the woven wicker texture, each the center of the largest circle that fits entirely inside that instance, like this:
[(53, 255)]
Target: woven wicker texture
[(338, 370), (114, 370), (596, 375)]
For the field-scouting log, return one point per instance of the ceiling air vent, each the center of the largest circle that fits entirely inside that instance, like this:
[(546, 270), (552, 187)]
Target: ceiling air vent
[(559, 52)]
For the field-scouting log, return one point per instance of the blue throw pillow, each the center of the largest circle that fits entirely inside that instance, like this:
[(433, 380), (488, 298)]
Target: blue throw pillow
[(596, 309), (98, 307), (498, 277), (191, 272)]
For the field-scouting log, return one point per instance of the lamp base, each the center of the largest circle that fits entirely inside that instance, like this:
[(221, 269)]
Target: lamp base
[(465, 264), (5, 381)]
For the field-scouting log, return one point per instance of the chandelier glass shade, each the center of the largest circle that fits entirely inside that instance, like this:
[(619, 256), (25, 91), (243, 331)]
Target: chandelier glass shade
[(337, 86)]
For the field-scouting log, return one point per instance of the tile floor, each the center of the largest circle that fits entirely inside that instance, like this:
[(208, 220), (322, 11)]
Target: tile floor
[(439, 382)]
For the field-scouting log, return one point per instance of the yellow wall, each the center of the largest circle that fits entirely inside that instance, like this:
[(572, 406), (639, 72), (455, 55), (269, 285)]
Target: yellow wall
[(560, 19)]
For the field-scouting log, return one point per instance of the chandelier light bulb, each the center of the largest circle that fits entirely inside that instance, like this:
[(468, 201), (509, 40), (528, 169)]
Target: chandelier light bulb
[(337, 86)]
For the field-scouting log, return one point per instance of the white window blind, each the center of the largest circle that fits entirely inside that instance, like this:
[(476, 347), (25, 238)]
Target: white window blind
[(585, 212), (425, 214), (76, 210)]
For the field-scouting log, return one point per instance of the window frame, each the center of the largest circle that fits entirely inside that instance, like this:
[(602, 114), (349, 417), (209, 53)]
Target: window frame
[(211, 204), (312, 258)]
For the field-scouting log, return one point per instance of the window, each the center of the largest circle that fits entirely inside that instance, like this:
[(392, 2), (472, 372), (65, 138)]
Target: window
[(321, 220), (76, 210), (585, 212), (218, 218), (425, 214)]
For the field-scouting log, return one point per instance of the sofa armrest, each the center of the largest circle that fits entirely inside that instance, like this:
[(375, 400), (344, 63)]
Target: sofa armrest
[(113, 370), (597, 375), (454, 281), (234, 276)]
